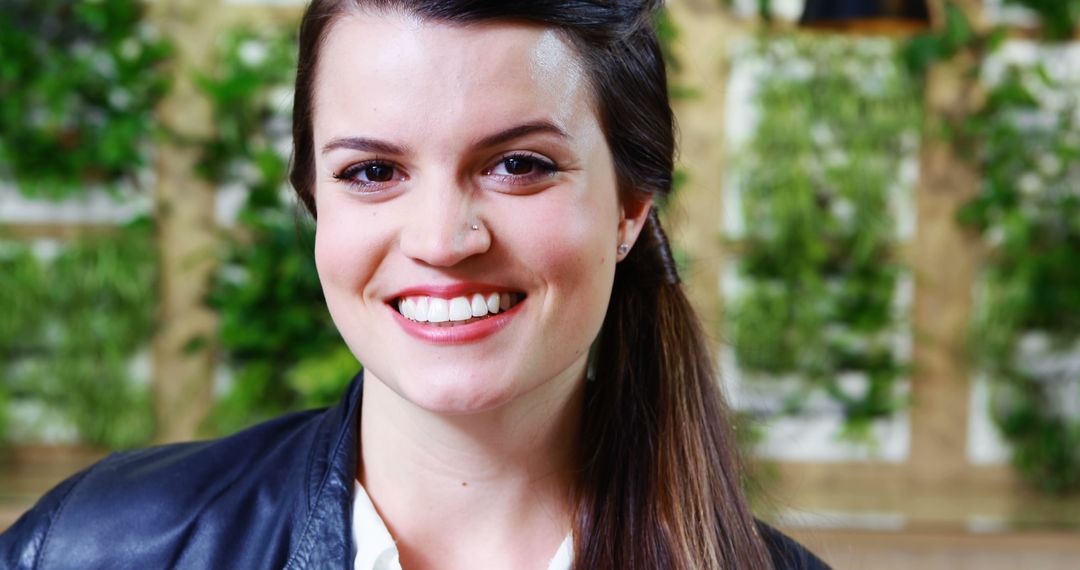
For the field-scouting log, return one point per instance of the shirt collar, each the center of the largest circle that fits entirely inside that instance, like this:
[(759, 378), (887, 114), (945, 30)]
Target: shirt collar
[(376, 549)]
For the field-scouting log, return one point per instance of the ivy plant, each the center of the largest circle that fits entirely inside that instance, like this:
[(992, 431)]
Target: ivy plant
[(817, 260), (957, 34), (1026, 142), (1027, 331), (21, 289), (1058, 18), (79, 81), (280, 345), (73, 327), (1025, 335)]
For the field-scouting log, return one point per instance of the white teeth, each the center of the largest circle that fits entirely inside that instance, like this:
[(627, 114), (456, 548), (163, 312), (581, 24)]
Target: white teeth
[(478, 306), (408, 308), (422, 309), (460, 310), (438, 310)]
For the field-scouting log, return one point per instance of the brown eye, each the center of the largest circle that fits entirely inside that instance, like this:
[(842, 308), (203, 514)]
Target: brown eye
[(371, 176), (379, 172), (522, 167), (519, 166)]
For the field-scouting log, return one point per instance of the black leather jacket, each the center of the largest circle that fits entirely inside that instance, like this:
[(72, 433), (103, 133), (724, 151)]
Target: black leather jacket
[(278, 495)]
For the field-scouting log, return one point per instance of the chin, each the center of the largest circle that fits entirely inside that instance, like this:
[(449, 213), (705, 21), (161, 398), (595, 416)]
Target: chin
[(462, 393)]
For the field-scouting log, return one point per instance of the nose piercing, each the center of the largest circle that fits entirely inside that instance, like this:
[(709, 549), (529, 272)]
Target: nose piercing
[(624, 249), (474, 227)]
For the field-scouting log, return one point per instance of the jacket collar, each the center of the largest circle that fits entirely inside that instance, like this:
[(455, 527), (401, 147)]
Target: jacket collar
[(325, 538)]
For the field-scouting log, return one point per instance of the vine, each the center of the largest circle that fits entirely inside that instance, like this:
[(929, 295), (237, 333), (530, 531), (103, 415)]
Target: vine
[(1027, 332), (73, 327), (280, 344), (79, 81), (1058, 18), (1025, 336), (817, 257)]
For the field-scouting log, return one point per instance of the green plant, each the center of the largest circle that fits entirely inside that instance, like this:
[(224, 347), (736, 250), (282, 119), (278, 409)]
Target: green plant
[(817, 259), (77, 323), (1058, 18), (1025, 336), (21, 288), (955, 36), (79, 81), (667, 32), (1027, 332), (280, 344)]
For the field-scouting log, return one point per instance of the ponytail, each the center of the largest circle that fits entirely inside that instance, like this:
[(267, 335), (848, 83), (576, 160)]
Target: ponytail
[(661, 483)]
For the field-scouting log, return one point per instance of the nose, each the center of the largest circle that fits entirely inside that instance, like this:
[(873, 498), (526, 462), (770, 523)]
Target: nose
[(444, 227)]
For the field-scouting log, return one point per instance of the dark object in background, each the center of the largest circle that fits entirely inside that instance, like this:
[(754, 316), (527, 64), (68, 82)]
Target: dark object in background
[(842, 13)]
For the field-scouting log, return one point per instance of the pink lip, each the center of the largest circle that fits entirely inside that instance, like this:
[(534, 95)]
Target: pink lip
[(457, 334), (450, 291)]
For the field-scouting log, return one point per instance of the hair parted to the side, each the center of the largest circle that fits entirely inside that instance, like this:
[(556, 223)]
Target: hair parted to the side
[(660, 480)]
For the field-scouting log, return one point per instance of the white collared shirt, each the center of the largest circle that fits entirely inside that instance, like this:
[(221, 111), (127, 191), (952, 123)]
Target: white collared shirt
[(375, 548)]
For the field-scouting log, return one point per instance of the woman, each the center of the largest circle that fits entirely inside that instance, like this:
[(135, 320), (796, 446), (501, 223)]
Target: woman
[(537, 392)]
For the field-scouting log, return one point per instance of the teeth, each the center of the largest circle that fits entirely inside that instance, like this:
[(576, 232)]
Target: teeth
[(422, 309), (478, 306), (437, 310), (408, 308), (460, 309)]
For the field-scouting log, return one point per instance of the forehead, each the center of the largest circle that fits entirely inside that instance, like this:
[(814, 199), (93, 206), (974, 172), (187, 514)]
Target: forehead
[(388, 69)]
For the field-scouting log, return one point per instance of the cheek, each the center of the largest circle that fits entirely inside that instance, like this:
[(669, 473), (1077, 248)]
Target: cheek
[(570, 244), (344, 251)]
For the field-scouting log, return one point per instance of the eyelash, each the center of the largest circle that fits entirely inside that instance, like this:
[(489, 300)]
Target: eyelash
[(544, 169), (350, 175)]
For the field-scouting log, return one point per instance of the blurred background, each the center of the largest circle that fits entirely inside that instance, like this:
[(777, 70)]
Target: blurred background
[(877, 213)]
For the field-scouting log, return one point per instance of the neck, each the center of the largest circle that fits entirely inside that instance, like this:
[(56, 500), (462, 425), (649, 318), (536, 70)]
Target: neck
[(494, 485)]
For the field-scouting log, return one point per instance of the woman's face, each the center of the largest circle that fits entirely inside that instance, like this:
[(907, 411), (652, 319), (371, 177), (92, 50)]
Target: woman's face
[(461, 169)]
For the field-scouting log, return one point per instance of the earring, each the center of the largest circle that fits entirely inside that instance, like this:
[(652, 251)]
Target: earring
[(624, 249)]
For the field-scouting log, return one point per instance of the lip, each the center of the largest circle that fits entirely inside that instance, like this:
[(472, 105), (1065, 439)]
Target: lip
[(457, 334), (449, 291)]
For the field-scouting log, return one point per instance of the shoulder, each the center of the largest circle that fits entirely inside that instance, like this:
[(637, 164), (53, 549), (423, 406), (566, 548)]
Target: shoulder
[(787, 554), (198, 492)]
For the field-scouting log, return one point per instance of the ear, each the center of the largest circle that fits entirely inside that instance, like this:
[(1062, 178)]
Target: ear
[(632, 215)]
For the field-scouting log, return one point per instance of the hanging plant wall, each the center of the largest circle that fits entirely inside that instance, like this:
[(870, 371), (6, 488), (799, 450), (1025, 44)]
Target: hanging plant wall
[(79, 81), (816, 309), (1027, 330), (281, 348), (74, 327)]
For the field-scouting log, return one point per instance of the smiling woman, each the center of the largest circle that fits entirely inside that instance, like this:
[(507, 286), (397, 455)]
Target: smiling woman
[(507, 145), (537, 392)]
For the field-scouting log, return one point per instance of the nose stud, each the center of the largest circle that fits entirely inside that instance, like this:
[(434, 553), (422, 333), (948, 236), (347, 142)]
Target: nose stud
[(474, 227)]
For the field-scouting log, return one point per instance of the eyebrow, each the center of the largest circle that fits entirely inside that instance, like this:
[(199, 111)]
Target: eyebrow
[(384, 147), (365, 144), (521, 131)]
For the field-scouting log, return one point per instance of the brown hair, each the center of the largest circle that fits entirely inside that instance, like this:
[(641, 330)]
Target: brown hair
[(660, 481)]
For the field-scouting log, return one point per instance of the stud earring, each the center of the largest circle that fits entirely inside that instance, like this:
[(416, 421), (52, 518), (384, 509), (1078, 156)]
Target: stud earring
[(624, 249)]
